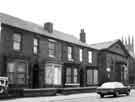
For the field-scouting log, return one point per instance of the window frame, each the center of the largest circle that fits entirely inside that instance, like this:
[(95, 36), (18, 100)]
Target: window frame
[(93, 76), (81, 54), (50, 50), (90, 56), (14, 73), (17, 42), (72, 76), (70, 53), (35, 46), (53, 66)]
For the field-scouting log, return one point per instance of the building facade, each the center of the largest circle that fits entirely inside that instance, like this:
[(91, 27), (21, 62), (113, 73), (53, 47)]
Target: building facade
[(33, 56), (113, 61)]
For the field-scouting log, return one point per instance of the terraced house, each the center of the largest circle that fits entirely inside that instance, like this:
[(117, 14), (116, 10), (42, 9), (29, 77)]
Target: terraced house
[(34, 56)]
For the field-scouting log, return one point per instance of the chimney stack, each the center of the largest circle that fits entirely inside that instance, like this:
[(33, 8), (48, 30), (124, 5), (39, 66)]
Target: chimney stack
[(83, 36), (48, 27)]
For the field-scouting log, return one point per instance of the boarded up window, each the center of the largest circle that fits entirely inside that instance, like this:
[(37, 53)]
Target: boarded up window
[(53, 74)]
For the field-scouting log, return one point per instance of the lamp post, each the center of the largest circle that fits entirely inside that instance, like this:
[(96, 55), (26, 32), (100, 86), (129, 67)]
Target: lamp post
[(108, 69)]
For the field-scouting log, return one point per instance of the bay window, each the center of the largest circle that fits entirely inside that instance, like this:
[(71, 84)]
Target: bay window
[(17, 72), (71, 75), (53, 73), (92, 76)]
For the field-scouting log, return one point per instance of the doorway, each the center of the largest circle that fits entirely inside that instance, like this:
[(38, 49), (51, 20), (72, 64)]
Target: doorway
[(35, 76)]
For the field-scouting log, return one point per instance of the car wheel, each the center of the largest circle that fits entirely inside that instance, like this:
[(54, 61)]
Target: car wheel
[(101, 95), (116, 94)]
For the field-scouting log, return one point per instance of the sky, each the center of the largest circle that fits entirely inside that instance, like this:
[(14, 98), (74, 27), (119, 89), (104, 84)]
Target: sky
[(102, 20)]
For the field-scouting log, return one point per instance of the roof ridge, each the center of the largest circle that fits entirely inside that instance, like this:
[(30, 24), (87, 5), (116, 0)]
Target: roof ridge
[(105, 42)]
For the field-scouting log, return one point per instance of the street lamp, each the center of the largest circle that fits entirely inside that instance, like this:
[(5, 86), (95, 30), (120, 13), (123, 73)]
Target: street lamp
[(108, 69)]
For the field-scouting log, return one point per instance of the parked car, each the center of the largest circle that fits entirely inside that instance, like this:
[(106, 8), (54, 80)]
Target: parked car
[(112, 88), (3, 85)]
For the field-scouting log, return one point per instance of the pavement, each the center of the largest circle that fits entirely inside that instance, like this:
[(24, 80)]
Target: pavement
[(85, 97)]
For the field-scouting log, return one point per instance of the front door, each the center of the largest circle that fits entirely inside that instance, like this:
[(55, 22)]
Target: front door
[(35, 81)]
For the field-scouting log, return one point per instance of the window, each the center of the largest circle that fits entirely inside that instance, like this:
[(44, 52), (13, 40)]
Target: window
[(68, 75), (71, 75), (75, 75), (95, 77), (35, 45), (17, 41), (89, 77), (92, 76), (52, 48), (17, 72), (81, 55), (53, 74), (70, 53), (89, 56)]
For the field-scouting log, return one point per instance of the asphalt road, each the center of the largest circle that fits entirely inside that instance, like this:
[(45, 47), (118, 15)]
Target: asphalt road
[(89, 97)]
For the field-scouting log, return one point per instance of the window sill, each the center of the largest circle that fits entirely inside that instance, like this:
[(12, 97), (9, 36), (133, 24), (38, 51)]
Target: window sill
[(52, 56), (72, 84)]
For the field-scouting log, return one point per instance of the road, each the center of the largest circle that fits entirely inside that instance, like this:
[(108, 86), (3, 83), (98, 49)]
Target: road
[(89, 97)]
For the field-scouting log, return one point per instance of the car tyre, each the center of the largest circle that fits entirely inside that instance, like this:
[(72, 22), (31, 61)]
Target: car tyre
[(101, 95), (116, 94)]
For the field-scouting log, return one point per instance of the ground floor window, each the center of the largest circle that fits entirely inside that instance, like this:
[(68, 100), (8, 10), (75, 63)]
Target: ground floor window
[(92, 76), (71, 75), (17, 72), (53, 74)]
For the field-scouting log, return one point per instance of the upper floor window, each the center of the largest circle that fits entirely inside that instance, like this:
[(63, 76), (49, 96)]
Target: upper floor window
[(90, 56), (35, 45), (17, 41), (52, 48), (70, 53), (81, 54)]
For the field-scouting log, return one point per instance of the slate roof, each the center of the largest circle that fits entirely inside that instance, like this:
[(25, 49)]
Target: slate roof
[(29, 26), (103, 45)]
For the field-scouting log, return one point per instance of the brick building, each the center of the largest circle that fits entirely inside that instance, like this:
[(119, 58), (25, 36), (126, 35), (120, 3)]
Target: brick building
[(113, 61), (34, 56)]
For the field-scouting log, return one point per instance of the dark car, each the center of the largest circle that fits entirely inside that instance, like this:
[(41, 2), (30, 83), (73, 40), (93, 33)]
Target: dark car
[(112, 88)]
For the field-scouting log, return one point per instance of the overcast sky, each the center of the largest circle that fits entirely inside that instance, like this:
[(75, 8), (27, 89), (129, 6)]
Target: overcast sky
[(102, 20)]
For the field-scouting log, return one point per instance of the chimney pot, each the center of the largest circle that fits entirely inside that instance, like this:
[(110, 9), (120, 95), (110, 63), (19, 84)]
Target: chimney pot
[(48, 27), (82, 36)]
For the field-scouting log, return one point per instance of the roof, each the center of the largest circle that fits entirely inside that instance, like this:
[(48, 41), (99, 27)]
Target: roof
[(32, 27), (132, 54), (103, 45)]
